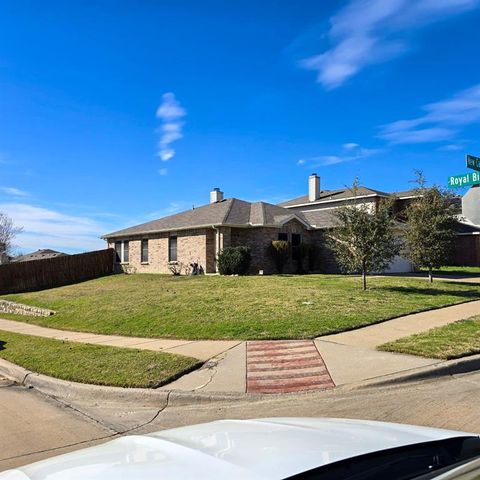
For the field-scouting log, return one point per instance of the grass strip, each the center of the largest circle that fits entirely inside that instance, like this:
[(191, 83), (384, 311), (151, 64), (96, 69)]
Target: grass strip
[(94, 364), (455, 340)]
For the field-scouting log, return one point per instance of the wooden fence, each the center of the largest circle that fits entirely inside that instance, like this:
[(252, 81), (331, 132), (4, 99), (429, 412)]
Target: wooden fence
[(467, 251), (54, 272)]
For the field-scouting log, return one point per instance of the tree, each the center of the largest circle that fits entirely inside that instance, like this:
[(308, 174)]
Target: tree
[(364, 239), (8, 231), (431, 220)]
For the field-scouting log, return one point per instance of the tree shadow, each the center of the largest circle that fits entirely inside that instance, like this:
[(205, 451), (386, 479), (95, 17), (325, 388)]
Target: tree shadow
[(473, 293), (2, 345)]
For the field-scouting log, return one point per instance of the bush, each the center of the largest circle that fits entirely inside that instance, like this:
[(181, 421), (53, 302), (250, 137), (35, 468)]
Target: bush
[(234, 260), (311, 254), (279, 251)]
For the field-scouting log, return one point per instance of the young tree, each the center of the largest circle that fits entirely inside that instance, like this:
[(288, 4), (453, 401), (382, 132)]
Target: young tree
[(431, 220), (364, 239), (8, 232)]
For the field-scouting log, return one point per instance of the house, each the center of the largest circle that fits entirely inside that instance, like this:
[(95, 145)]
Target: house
[(38, 255), (197, 235)]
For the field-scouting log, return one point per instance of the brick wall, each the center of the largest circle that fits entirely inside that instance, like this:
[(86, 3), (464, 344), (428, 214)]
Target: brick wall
[(192, 246), (259, 239)]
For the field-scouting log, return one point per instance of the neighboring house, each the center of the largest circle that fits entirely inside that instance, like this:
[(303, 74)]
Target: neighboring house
[(199, 234), (38, 255), (467, 248)]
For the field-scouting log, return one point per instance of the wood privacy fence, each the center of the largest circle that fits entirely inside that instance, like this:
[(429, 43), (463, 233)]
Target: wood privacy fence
[(54, 272)]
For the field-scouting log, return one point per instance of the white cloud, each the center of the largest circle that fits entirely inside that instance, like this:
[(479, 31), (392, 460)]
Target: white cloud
[(170, 112), (452, 147), (367, 32), (45, 228), (442, 120), (163, 171), (14, 192), (349, 152)]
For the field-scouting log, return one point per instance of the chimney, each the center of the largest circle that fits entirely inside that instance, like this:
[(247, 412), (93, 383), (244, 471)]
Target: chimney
[(313, 187), (216, 195)]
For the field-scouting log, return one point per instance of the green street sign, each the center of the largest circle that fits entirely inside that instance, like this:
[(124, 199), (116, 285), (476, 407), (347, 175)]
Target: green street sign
[(473, 162), (456, 181)]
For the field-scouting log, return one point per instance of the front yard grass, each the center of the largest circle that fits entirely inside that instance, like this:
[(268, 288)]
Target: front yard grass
[(462, 271), (250, 307), (96, 364), (455, 340)]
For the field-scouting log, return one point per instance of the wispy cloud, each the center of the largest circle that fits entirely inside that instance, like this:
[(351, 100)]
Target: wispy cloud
[(163, 171), (442, 120), (14, 192), (451, 147), (367, 32), (171, 113), (348, 153), (46, 228)]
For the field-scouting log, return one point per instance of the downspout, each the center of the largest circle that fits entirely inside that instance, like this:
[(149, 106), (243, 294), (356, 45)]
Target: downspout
[(217, 245)]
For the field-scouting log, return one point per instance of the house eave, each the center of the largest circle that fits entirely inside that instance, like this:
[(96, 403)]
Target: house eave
[(336, 200), (194, 227)]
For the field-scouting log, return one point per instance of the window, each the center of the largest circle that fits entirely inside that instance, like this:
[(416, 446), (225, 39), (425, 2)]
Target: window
[(172, 249), (144, 252), (283, 236), (118, 250), (296, 239), (121, 249)]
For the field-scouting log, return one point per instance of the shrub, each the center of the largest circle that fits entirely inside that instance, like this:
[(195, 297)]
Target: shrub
[(234, 260), (175, 268), (279, 251)]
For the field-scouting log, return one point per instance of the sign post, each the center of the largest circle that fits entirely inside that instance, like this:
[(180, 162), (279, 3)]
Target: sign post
[(473, 162), (464, 180)]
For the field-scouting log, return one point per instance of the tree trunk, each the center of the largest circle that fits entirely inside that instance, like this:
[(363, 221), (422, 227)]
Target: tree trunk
[(430, 275), (364, 276)]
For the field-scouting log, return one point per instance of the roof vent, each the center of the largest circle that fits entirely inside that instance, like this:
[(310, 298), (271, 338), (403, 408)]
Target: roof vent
[(216, 195)]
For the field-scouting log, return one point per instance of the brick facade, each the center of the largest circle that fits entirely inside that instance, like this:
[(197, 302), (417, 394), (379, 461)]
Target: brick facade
[(192, 246)]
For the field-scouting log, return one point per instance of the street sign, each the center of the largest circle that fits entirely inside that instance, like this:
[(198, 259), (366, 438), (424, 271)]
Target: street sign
[(456, 181), (473, 162)]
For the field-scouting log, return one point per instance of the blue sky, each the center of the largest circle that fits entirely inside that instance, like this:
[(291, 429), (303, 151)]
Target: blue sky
[(115, 113)]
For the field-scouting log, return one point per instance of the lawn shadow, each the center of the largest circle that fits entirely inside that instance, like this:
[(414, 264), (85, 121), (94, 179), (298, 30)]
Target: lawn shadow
[(2, 345), (436, 291)]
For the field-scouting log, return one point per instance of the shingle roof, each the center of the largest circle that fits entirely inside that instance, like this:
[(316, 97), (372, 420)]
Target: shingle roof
[(329, 195), (231, 211), (38, 255)]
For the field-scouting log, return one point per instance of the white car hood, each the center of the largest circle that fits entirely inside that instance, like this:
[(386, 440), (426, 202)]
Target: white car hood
[(246, 449)]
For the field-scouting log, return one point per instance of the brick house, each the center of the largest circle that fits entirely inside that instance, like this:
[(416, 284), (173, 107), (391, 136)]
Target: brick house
[(198, 235)]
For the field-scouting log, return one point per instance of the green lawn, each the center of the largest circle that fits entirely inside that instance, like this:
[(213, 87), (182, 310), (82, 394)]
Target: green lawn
[(474, 271), (215, 307), (97, 364), (456, 340)]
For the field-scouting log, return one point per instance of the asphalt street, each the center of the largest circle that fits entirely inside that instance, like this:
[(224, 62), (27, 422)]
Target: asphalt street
[(34, 426)]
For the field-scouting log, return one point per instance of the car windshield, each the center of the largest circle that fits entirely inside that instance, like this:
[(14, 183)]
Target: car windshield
[(420, 461)]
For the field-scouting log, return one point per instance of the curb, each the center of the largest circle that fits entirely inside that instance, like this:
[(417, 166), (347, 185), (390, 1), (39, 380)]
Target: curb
[(441, 369), (67, 390)]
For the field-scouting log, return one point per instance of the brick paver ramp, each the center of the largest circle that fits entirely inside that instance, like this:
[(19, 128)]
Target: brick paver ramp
[(283, 366)]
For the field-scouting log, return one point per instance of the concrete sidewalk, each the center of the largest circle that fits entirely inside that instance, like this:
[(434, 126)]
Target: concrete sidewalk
[(201, 349), (350, 357)]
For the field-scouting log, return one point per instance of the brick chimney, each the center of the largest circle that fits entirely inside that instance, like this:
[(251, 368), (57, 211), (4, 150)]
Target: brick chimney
[(216, 195), (313, 187)]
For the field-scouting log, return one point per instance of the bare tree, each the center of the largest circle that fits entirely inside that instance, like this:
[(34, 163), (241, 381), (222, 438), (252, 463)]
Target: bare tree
[(8, 231)]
